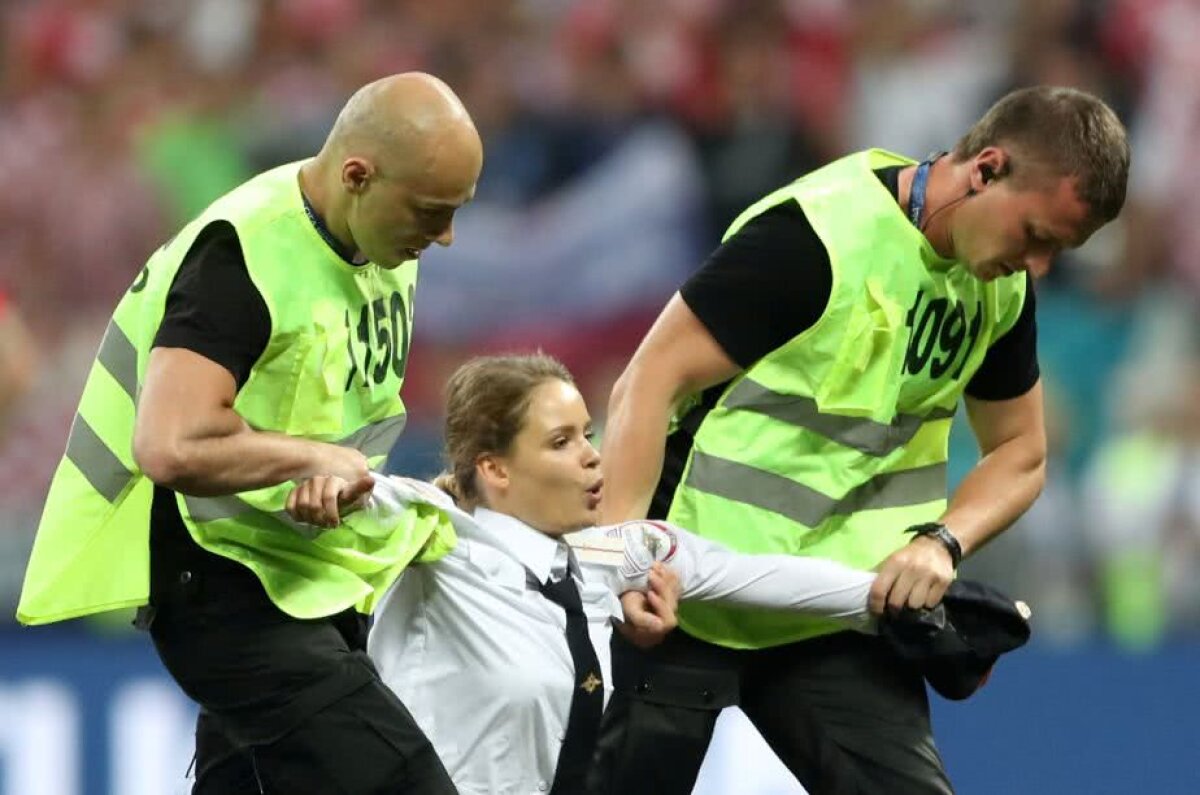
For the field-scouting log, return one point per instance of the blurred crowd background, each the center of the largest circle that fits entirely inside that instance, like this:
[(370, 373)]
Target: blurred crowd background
[(621, 138)]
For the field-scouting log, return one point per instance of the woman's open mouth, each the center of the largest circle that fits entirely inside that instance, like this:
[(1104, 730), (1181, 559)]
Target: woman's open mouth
[(594, 494)]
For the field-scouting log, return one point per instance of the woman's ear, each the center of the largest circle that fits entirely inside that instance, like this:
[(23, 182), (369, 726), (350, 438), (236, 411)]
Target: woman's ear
[(491, 473)]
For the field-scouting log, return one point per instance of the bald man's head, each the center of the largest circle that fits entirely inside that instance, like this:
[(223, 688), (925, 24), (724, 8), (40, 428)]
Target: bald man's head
[(397, 119), (405, 155)]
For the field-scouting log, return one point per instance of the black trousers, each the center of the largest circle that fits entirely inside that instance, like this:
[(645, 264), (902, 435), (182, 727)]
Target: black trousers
[(287, 706), (842, 713), (365, 742)]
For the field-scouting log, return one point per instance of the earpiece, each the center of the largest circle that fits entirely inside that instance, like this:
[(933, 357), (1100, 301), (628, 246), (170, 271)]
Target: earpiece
[(987, 175)]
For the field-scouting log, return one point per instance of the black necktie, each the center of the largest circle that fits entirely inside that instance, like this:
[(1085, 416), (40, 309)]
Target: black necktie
[(587, 697)]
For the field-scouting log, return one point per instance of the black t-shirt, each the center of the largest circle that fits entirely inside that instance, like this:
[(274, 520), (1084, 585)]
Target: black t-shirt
[(770, 282), (213, 309)]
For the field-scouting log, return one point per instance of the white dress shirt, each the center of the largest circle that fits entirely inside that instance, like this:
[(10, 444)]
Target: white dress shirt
[(480, 657)]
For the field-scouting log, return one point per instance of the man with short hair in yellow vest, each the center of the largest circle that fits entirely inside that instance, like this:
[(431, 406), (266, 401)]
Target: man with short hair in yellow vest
[(796, 397), (265, 343)]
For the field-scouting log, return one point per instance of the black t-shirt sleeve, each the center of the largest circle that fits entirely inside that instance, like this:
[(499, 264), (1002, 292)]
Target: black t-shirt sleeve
[(763, 286), (213, 308), (1010, 368)]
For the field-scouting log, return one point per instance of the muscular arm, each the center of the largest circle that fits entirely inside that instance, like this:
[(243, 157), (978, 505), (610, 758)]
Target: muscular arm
[(189, 439), (678, 357), (759, 289), (1004, 403), (215, 327), (1011, 474), (999, 489)]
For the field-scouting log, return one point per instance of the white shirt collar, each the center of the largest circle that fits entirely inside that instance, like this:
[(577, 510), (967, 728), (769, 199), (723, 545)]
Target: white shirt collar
[(536, 551)]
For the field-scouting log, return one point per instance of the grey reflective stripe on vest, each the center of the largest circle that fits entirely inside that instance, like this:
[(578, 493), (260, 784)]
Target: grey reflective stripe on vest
[(212, 509), (370, 440), (119, 357), (85, 449), (867, 436), (91, 456), (803, 504), (378, 438)]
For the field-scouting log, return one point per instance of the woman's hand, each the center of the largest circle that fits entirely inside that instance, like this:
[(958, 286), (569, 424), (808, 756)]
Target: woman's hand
[(651, 615)]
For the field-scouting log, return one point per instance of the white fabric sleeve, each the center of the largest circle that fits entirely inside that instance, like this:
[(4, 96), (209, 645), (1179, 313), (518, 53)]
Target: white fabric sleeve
[(711, 572), (393, 494)]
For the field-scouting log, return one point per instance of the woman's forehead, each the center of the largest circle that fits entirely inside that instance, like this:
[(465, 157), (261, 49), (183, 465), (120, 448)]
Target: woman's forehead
[(554, 404)]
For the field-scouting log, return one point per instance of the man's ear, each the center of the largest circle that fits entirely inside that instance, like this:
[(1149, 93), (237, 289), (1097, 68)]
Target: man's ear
[(357, 174), (991, 164)]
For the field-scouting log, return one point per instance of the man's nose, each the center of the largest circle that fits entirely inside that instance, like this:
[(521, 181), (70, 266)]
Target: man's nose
[(446, 237), (1038, 265)]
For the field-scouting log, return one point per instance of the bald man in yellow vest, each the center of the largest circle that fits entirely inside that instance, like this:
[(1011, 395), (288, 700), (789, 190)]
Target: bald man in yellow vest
[(264, 343)]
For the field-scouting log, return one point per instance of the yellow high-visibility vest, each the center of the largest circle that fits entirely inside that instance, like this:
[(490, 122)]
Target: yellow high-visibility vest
[(331, 372), (836, 442)]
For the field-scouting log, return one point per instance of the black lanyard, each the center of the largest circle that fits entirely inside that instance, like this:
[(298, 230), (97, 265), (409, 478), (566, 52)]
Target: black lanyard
[(319, 224)]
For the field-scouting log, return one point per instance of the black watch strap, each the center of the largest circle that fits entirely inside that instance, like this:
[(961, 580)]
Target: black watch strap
[(938, 530)]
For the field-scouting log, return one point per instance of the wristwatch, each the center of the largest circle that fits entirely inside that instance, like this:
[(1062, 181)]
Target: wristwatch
[(938, 530)]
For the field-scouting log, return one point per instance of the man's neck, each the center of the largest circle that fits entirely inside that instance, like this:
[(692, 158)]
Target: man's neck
[(942, 188), (313, 184)]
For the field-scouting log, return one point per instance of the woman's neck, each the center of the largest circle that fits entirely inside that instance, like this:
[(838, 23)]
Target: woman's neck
[(531, 523)]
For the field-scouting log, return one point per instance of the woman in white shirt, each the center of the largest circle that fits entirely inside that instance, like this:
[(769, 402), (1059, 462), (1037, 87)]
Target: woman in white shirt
[(500, 649)]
